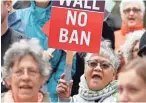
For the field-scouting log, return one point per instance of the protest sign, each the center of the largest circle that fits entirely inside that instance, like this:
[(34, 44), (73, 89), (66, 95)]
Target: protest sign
[(76, 25)]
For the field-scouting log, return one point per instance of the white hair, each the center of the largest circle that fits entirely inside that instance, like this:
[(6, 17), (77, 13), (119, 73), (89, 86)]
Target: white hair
[(19, 50), (106, 51), (137, 2), (129, 43)]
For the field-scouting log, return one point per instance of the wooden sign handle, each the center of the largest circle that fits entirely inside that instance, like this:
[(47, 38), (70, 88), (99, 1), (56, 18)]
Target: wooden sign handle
[(69, 57), (68, 66)]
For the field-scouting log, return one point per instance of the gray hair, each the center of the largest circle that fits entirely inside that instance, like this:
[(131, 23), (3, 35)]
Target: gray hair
[(137, 2), (20, 49), (129, 43), (106, 51)]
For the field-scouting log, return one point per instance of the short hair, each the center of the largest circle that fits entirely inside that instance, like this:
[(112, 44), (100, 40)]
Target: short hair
[(106, 51), (138, 2), (22, 48), (139, 65), (129, 43)]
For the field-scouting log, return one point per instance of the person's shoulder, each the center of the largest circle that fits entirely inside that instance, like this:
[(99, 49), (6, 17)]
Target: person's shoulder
[(16, 36), (46, 98), (113, 98), (2, 97), (78, 98), (5, 97), (118, 32)]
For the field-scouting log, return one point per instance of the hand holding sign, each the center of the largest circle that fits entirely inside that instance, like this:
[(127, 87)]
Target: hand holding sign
[(76, 25)]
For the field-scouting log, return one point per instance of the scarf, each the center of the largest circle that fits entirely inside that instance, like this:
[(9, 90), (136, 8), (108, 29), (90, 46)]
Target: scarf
[(125, 29), (8, 98), (88, 94)]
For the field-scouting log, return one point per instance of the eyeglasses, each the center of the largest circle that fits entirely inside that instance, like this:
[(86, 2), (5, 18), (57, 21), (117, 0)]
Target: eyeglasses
[(135, 10), (30, 72), (94, 64)]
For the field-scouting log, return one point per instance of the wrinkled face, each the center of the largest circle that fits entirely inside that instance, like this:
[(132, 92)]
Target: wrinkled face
[(26, 80), (135, 49), (132, 14), (132, 87), (99, 72)]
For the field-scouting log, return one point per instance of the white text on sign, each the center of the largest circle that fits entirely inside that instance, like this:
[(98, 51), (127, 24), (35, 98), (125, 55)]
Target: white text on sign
[(79, 19), (81, 4)]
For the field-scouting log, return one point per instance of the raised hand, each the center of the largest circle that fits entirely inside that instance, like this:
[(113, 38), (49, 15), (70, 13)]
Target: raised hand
[(63, 89)]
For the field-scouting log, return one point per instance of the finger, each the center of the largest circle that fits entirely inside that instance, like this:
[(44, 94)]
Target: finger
[(62, 81), (62, 76), (60, 90), (63, 86)]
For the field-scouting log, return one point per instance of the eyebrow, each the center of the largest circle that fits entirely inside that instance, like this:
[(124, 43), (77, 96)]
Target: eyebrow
[(99, 60), (131, 8)]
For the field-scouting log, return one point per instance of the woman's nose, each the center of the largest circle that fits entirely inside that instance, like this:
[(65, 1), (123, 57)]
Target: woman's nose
[(98, 67), (26, 75), (131, 12), (123, 97)]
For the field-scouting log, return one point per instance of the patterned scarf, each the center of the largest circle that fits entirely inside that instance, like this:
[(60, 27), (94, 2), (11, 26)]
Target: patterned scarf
[(88, 94)]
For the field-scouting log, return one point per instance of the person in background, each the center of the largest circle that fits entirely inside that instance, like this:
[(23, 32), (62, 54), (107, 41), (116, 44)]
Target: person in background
[(132, 14), (131, 46), (142, 45), (8, 35), (34, 18), (97, 83), (132, 81), (24, 72)]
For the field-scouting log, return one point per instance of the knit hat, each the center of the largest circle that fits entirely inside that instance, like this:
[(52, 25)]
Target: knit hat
[(142, 45)]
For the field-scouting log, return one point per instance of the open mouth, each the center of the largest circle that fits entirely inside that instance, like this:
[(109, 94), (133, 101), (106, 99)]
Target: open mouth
[(25, 87), (96, 76), (131, 19)]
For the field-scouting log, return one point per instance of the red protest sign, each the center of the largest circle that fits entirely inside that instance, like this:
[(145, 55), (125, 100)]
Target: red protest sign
[(76, 25)]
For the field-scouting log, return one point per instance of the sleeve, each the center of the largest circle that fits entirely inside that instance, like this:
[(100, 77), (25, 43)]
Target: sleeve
[(35, 14)]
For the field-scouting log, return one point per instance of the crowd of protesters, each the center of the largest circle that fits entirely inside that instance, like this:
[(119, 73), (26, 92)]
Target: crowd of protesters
[(30, 73)]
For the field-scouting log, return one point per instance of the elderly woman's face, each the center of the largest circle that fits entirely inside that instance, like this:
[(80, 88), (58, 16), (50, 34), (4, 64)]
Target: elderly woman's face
[(132, 87), (99, 72), (132, 14), (25, 80)]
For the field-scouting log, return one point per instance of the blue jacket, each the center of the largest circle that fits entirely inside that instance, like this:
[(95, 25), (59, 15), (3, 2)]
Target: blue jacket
[(34, 18), (15, 22), (59, 62)]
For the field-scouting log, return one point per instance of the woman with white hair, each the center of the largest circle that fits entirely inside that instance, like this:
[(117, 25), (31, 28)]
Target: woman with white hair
[(131, 46), (132, 14), (97, 83), (25, 71)]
